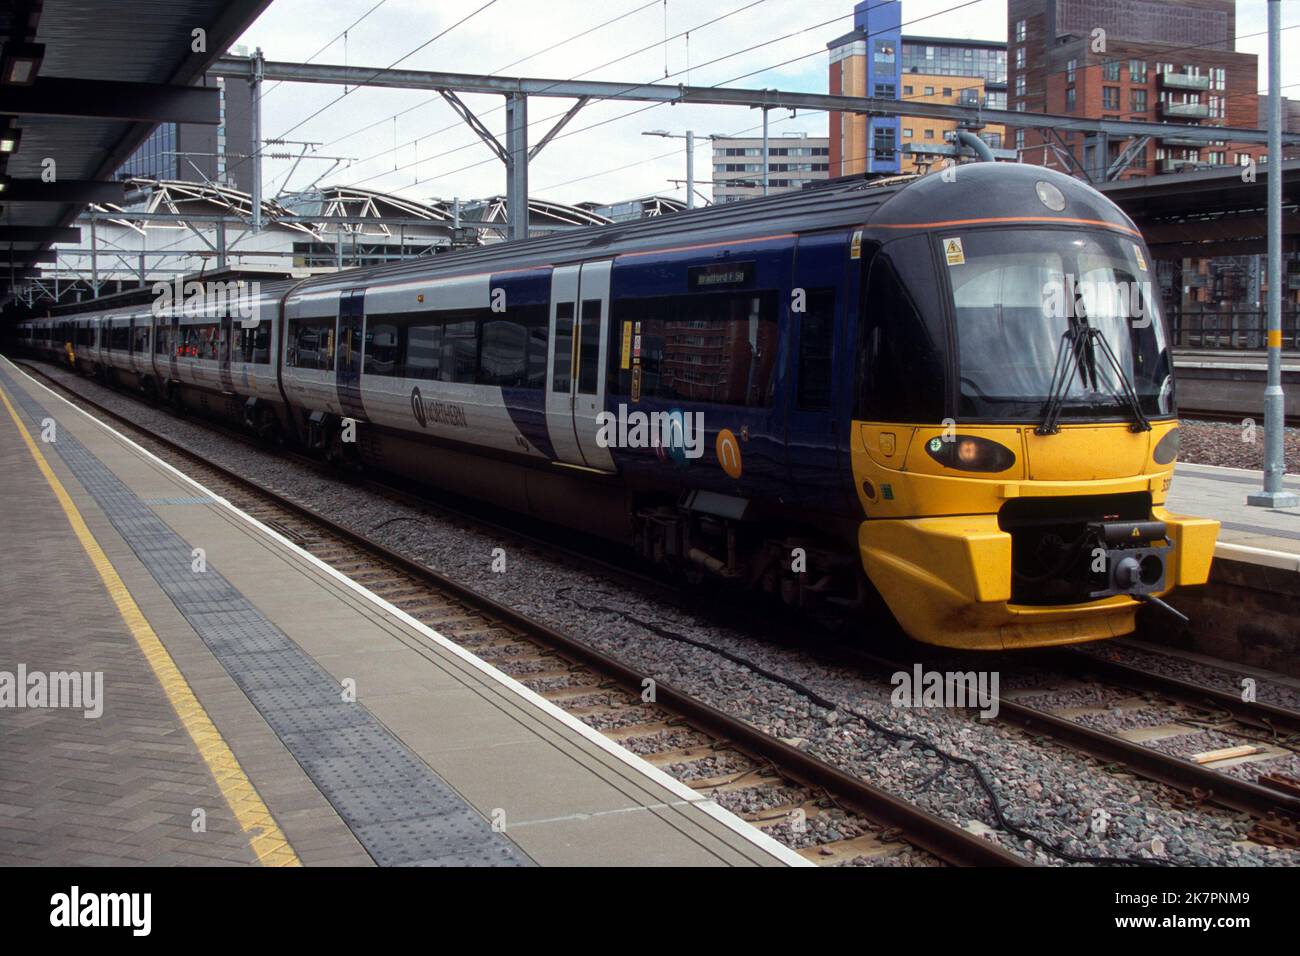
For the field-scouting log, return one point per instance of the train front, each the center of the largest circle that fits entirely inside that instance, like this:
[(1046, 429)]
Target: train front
[(1015, 430)]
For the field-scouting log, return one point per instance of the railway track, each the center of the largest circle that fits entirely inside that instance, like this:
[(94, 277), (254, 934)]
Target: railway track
[(787, 792), (1267, 731)]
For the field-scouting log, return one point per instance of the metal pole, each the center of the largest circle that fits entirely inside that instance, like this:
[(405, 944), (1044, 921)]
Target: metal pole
[(517, 165), (764, 150), (690, 169), (255, 121), (221, 245), (94, 258), (1274, 401)]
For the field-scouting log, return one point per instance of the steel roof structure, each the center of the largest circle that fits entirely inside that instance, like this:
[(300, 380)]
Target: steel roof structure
[(96, 78)]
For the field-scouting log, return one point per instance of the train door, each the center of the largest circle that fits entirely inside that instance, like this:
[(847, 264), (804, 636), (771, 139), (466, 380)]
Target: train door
[(575, 385), (816, 309), (352, 317)]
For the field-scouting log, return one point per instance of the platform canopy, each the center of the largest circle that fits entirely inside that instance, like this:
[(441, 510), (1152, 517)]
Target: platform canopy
[(82, 84)]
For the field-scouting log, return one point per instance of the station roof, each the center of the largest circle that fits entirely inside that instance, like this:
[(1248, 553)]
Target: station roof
[(86, 81), (1212, 212)]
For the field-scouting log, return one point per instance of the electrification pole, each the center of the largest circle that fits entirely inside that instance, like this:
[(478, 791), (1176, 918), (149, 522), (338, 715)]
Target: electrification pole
[(1274, 405)]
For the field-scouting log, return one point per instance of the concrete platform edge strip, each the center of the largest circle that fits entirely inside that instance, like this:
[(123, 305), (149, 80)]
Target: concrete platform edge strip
[(411, 816), (265, 838), (640, 766)]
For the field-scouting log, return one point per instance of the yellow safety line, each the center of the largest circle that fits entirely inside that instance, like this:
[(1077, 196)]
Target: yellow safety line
[(264, 836)]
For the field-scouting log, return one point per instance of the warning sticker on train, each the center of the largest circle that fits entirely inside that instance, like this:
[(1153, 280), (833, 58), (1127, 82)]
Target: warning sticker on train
[(953, 253), (1141, 259)]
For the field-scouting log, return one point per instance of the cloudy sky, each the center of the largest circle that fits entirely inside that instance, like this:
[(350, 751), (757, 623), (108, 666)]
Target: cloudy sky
[(412, 143)]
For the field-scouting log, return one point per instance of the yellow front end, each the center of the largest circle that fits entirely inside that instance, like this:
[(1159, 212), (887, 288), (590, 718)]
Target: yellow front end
[(933, 547)]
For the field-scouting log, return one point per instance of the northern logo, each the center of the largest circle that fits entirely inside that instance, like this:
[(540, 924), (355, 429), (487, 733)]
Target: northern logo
[(417, 407)]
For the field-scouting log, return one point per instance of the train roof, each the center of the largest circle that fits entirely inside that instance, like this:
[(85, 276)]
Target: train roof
[(836, 204)]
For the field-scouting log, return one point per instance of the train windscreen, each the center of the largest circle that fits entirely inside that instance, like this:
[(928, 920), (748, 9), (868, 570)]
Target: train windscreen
[(1036, 306)]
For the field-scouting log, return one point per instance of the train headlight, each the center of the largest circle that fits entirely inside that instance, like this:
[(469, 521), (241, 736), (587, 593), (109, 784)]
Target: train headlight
[(970, 453), (1049, 195), (1166, 449)]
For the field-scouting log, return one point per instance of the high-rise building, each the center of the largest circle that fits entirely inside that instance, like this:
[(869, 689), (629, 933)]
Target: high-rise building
[(865, 63), (876, 59), (1155, 60), (793, 160), (198, 153)]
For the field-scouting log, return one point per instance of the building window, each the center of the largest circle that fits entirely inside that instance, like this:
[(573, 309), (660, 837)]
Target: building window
[(1110, 71), (886, 90), (1137, 71), (1020, 31), (1216, 107), (929, 91), (907, 91), (907, 132), (1218, 78), (1020, 85), (947, 91), (1137, 101), (883, 143), (884, 54), (1069, 100), (1020, 139), (1070, 67), (1110, 97), (1020, 58), (929, 134)]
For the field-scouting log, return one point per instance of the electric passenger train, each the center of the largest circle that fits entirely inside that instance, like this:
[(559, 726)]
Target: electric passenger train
[(887, 410)]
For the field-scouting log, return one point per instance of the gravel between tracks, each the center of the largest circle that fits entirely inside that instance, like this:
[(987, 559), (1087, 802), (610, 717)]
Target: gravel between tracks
[(1223, 443), (1057, 795)]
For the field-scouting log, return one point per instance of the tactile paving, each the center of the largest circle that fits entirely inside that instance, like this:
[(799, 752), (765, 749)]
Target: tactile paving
[(400, 810)]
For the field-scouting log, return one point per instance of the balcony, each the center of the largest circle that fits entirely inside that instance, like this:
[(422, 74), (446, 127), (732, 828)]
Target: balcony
[(1186, 110), (1183, 81), (1176, 165), (1180, 141)]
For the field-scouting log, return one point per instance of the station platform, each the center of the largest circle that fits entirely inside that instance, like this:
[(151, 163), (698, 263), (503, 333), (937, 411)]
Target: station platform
[(237, 701), (1247, 533)]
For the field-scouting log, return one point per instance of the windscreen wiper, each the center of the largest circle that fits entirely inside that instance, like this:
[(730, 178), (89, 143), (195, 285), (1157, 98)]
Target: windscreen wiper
[(1129, 393), (1067, 362)]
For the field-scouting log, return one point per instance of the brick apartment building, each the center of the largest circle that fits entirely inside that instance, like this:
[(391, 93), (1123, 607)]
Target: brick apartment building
[(1163, 61)]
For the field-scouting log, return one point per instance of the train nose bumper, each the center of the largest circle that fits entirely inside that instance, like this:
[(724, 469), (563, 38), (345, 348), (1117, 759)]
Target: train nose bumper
[(948, 581)]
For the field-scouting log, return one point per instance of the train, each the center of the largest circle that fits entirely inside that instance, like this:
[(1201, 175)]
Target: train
[(916, 393)]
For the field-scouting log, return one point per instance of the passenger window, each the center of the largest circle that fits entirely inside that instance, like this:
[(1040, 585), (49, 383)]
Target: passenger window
[(816, 343), (706, 347), (459, 351)]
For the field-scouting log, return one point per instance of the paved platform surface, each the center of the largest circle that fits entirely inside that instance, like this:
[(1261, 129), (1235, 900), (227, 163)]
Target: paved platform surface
[(229, 662), (1221, 493)]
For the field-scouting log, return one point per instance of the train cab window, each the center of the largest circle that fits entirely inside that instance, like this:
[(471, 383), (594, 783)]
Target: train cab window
[(563, 347), (900, 366), (311, 343), (816, 339)]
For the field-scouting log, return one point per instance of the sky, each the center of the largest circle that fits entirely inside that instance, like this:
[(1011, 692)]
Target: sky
[(413, 144)]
